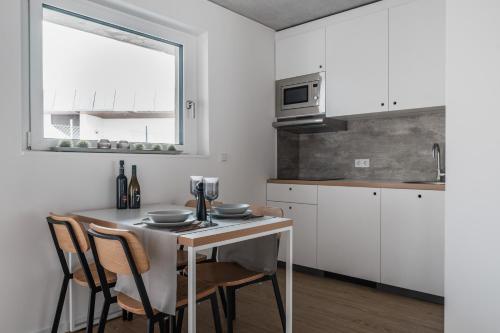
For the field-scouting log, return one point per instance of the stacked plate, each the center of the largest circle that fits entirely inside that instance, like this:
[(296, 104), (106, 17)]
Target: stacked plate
[(169, 218), (231, 211)]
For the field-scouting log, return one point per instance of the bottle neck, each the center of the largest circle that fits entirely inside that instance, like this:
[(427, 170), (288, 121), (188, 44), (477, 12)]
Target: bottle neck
[(134, 171), (122, 171)]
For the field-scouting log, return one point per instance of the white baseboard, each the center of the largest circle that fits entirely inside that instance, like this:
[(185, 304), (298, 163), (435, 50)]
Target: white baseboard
[(64, 326)]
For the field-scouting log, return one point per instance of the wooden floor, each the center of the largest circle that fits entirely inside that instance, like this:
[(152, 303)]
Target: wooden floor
[(320, 305)]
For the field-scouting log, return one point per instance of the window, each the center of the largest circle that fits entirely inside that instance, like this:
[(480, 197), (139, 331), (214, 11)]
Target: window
[(97, 73)]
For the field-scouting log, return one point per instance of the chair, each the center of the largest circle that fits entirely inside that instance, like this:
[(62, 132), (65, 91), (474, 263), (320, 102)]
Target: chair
[(231, 276), (69, 237), (121, 252), (182, 257)]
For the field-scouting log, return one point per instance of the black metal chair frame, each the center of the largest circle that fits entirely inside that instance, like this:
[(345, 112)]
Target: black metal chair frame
[(152, 318), (229, 301), (68, 276)]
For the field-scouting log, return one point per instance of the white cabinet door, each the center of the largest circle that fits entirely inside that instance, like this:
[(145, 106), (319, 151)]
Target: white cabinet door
[(300, 54), (304, 232), (412, 235), (349, 231), (357, 63), (417, 55)]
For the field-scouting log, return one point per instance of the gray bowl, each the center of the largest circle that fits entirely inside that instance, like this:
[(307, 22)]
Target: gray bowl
[(170, 216), (225, 209)]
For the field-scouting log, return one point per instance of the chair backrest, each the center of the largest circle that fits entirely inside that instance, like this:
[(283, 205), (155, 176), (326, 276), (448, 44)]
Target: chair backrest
[(266, 211), (112, 252), (62, 225)]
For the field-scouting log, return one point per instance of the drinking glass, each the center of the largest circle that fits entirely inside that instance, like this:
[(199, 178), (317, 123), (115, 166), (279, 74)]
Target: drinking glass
[(193, 182), (211, 187)]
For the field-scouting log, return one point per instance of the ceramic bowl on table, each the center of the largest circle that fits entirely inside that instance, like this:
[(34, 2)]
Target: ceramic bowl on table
[(248, 213), (147, 221), (229, 209), (170, 216)]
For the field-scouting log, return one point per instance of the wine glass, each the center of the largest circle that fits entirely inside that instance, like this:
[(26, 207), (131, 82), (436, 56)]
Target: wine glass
[(211, 188), (193, 182)]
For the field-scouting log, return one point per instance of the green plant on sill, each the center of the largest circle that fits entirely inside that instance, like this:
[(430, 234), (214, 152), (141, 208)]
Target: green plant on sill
[(171, 148), (139, 146), (82, 144), (65, 144), (158, 147)]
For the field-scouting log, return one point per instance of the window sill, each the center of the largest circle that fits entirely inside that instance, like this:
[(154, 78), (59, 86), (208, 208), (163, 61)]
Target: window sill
[(115, 152)]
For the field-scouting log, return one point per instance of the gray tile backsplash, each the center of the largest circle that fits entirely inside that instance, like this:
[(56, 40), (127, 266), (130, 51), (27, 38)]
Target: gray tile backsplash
[(399, 147)]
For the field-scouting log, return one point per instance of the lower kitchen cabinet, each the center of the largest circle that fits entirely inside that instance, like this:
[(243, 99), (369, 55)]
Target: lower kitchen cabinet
[(304, 232), (412, 240), (349, 231)]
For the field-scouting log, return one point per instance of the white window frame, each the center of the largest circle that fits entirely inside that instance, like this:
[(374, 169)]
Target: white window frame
[(136, 23)]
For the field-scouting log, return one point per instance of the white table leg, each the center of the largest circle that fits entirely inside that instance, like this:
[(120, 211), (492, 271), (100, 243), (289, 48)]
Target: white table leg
[(191, 290), (289, 283)]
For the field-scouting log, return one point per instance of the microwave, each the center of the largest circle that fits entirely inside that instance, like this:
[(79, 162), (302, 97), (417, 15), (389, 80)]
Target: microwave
[(300, 96)]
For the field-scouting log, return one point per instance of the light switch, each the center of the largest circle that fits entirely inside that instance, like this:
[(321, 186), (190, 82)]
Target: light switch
[(223, 157)]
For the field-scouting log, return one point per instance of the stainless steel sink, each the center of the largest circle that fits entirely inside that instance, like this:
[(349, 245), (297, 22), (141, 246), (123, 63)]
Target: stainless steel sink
[(425, 182)]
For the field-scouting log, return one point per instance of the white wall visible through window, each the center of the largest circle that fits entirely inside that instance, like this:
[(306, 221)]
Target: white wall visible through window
[(101, 74)]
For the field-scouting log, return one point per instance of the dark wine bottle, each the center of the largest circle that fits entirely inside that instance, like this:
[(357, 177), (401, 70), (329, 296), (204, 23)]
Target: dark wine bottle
[(121, 188), (134, 191), (201, 208)]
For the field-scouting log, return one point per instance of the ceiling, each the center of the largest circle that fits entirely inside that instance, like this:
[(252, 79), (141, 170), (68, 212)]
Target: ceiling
[(282, 14)]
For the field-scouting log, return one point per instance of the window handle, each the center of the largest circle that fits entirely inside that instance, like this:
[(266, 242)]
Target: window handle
[(191, 105)]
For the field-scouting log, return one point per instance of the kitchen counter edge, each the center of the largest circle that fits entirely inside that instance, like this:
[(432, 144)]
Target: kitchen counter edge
[(362, 183)]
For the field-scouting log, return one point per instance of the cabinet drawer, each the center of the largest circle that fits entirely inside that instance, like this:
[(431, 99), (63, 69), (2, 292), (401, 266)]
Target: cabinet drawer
[(307, 194)]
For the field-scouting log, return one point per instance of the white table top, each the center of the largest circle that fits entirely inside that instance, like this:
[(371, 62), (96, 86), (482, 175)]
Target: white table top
[(225, 230)]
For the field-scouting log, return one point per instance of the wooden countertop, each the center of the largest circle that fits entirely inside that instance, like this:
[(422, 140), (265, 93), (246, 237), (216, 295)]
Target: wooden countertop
[(361, 183)]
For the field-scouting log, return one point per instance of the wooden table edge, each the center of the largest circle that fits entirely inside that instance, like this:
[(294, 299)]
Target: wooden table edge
[(223, 236)]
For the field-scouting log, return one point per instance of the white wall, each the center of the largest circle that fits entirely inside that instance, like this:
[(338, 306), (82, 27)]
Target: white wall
[(241, 96), (472, 280)]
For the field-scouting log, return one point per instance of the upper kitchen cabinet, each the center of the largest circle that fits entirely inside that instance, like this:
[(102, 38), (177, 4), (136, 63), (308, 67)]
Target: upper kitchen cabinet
[(417, 55), (357, 67), (300, 54)]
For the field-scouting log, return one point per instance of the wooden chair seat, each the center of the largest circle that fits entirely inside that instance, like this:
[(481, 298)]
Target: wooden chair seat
[(79, 276), (203, 290), (182, 258), (225, 274)]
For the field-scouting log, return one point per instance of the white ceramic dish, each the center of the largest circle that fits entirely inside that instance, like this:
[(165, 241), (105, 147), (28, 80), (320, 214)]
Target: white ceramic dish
[(170, 216), (226, 209), (149, 222), (218, 215)]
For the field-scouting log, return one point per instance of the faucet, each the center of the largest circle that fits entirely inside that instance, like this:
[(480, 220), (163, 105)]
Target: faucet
[(436, 153)]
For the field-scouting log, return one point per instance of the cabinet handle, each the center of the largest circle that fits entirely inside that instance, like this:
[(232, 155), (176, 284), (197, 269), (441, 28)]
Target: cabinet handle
[(394, 103), (382, 104), (290, 207), (374, 193), (289, 188), (420, 196), (320, 66)]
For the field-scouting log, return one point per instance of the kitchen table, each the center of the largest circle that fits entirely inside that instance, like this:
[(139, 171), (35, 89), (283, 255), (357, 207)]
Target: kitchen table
[(226, 232)]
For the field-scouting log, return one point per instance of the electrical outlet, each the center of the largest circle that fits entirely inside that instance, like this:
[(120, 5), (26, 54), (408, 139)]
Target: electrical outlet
[(362, 163)]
